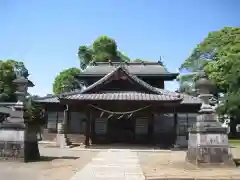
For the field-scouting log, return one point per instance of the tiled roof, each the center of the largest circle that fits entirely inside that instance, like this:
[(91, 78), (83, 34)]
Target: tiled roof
[(187, 99), (133, 77), (151, 94), (135, 96), (47, 99), (136, 68)]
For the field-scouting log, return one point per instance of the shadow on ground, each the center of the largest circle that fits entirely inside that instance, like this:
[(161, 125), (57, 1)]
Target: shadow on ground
[(237, 161), (56, 146), (130, 146), (51, 158)]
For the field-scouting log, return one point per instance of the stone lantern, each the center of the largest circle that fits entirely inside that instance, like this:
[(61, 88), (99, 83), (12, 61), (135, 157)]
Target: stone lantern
[(18, 136), (22, 84), (208, 140)]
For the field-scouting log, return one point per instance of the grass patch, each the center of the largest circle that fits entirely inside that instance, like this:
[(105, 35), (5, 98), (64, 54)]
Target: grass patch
[(234, 142)]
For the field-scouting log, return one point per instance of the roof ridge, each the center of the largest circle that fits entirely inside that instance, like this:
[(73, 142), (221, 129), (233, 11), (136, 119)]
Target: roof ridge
[(100, 80), (150, 87), (127, 63)]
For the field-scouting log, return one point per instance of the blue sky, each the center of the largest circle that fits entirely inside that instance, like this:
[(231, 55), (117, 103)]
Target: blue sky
[(45, 34)]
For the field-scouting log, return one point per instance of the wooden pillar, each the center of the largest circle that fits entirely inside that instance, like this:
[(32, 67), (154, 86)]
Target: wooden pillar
[(92, 124), (175, 126), (88, 130), (68, 130), (151, 126)]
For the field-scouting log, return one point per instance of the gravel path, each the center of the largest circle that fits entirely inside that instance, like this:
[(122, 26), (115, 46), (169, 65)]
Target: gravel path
[(112, 165)]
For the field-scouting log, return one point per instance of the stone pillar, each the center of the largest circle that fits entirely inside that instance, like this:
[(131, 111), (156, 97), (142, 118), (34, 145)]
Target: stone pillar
[(208, 140), (62, 139)]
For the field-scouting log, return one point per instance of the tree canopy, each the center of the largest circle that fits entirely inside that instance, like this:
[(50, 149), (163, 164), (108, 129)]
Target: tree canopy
[(103, 49), (216, 55), (219, 56), (65, 81), (7, 75)]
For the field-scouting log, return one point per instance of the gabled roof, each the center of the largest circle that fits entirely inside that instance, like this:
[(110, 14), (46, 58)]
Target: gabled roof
[(146, 69), (123, 72), (150, 93)]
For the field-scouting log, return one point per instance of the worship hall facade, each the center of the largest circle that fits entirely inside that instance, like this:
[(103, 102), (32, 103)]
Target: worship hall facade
[(122, 103)]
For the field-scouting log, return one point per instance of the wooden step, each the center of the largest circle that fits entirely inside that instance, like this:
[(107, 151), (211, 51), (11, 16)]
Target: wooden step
[(76, 138)]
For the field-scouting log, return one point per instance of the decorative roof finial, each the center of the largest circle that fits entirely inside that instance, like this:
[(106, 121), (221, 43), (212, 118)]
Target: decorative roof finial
[(110, 62), (160, 61)]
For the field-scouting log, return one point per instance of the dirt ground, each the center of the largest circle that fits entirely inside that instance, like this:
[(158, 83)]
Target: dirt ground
[(56, 164), (171, 164)]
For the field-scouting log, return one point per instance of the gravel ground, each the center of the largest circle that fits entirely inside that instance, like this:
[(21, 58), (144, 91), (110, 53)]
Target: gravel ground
[(171, 164), (56, 164), (61, 164)]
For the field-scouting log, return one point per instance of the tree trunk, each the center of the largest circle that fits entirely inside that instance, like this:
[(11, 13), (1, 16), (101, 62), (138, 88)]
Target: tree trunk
[(233, 125), (31, 145)]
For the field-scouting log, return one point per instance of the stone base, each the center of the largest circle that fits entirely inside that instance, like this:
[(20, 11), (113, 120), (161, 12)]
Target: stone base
[(12, 150), (12, 146), (62, 141), (210, 156), (15, 145)]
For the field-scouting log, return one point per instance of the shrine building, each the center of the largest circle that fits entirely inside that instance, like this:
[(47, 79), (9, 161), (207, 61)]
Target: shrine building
[(122, 103)]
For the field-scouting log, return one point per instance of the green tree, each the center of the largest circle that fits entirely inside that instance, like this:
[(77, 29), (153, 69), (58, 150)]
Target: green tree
[(214, 55), (7, 75), (85, 55), (231, 102), (123, 56), (66, 81), (219, 56), (102, 50)]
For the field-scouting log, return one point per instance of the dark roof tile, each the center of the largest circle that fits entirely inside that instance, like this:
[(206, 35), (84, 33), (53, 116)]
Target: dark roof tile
[(187, 99), (136, 68), (136, 96), (47, 99)]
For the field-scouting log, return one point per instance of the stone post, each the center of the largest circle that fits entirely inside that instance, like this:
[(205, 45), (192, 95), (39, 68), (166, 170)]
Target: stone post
[(208, 140), (62, 139)]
